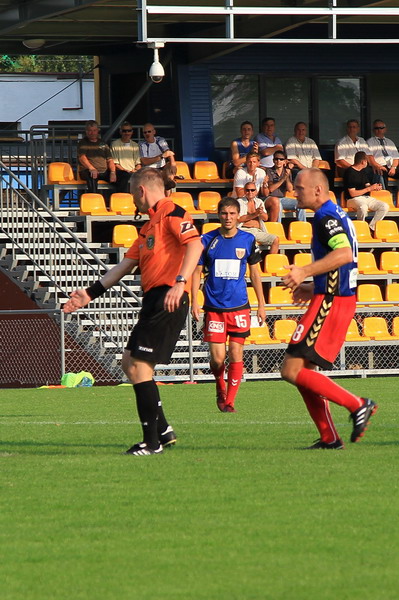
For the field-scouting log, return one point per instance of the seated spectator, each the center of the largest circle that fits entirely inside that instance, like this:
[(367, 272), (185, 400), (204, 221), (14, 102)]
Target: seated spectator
[(302, 151), (95, 161), (277, 183), (240, 147), (384, 154), (125, 151), (357, 190), (154, 150), (250, 172), (169, 173), (268, 143), (253, 217), (346, 147)]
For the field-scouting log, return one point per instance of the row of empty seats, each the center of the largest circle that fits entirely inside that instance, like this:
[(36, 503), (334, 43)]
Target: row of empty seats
[(372, 328)]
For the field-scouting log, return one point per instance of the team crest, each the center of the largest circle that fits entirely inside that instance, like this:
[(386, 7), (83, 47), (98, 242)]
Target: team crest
[(240, 253), (150, 241)]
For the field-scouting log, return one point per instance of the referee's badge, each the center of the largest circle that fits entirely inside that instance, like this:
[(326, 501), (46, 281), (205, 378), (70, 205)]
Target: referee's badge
[(150, 241), (240, 253)]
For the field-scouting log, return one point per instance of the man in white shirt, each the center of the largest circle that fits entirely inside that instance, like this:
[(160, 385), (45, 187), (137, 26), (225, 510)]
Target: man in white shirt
[(124, 151), (302, 151), (253, 217), (384, 153), (154, 150), (251, 172), (268, 142), (346, 147)]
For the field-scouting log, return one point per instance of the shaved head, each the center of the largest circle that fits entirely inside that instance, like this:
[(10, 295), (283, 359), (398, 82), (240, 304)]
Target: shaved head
[(311, 187)]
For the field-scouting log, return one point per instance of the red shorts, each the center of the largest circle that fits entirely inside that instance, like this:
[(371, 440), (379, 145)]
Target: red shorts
[(219, 325), (321, 331)]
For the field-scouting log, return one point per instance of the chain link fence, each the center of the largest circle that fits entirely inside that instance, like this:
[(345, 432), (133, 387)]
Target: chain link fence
[(37, 347)]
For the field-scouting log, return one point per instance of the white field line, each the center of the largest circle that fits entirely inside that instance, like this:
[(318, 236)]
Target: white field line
[(108, 423)]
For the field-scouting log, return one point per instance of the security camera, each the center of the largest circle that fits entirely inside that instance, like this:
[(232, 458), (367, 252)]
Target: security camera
[(156, 72)]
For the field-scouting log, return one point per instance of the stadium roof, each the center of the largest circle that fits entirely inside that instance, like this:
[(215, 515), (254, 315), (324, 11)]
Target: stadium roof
[(98, 27)]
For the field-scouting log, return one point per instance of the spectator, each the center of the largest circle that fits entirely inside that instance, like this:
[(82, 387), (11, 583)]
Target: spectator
[(384, 154), (227, 252), (346, 147), (96, 162), (357, 188), (154, 150), (277, 183), (268, 143), (241, 146), (169, 173), (302, 151), (124, 151), (253, 217), (251, 172)]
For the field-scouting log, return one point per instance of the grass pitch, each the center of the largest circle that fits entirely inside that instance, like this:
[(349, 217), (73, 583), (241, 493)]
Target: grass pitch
[(236, 511)]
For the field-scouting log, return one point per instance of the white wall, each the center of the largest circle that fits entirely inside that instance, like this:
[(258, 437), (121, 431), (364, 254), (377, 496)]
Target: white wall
[(20, 93)]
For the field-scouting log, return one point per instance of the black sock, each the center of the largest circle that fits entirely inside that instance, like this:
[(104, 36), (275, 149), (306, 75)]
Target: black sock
[(147, 397), (162, 422)]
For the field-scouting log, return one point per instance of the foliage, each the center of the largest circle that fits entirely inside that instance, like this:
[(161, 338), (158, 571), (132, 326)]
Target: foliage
[(33, 63)]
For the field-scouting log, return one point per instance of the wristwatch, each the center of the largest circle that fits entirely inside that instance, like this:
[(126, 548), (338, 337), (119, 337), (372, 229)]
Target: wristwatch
[(181, 279)]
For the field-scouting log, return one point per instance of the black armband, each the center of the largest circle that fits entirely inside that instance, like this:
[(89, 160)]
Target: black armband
[(96, 290)]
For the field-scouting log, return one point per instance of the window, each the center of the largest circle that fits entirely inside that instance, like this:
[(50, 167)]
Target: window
[(235, 98), (384, 101), (339, 99), (287, 101)]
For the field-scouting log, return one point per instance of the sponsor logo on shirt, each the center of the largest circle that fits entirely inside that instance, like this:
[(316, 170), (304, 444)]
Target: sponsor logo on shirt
[(213, 245), (215, 327), (150, 241), (240, 253), (186, 226), (145, 349)]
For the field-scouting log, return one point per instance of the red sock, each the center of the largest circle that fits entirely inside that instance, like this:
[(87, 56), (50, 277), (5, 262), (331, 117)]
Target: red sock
[(319, 410), (318, 383), (218, 374), (233, 381)]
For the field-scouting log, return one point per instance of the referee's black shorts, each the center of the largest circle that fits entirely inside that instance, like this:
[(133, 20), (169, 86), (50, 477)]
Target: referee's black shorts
[(155, 334)]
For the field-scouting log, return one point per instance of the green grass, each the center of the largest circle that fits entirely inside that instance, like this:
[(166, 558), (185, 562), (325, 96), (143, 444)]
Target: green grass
[(236, 511)]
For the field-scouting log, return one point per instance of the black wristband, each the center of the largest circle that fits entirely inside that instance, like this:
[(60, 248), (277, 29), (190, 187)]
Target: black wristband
[(96, 290)]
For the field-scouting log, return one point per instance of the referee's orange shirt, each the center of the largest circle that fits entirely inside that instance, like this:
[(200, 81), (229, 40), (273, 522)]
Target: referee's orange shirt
[(159, 247)]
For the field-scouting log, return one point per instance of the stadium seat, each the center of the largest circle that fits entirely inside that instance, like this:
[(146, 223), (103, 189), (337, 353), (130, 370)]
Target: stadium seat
[(283, 330), (387, 231), (94, 204), (252, 299), (208, 201), (123, 236), (260, 335), (367, 264), (182, 170), (324, 164), (206, 170), (282, 297), (385, 196), (389, 262), (376, 328), (392, 292), (209, 227), (363, 233), (301, 259), (300, 232), (185, 200), (61, 172), (278, 229), (122, 204), (353, 335), (395, 326), (368, 292), (276, 265)]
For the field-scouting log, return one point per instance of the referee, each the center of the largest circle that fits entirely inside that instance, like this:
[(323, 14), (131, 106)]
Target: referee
[(167, 251)]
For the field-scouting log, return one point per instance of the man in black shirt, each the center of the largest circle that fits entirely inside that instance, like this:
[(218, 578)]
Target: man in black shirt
[(358, 188)]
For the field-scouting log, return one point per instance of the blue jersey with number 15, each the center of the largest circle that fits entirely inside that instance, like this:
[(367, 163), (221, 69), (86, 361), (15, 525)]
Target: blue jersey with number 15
[(333, 229)]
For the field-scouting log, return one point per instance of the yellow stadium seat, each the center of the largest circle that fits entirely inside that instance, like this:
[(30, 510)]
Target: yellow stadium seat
[(182, 170), (392, 292), (208, 202), (123, 236), (389, 261), (376, 328), (395, 326), (385, 196), (363, 233), (122, 204), (369, 292), (367, 264), (301, 259), (278, 229), (283, 330), (209, 227), (206, 170), (300, 232), (252, 299), (94, 204), (387, 231), (61, 172), (185, 200), (324, 164), (353, 335), (260, 335), (276, 265), (282, 297)]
